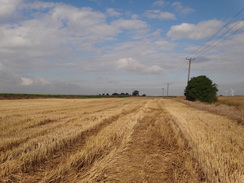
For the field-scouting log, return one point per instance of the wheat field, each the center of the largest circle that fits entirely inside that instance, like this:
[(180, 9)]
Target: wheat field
[(237, 101), (117, 140)]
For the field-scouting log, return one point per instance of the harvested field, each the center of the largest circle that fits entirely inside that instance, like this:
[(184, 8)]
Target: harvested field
[(117, 140), (237, 101), (226, 106)]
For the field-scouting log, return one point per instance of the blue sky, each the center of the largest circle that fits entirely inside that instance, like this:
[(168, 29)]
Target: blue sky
[(98, 46)]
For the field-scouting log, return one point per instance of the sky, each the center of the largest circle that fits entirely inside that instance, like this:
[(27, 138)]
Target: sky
[(106, 46)]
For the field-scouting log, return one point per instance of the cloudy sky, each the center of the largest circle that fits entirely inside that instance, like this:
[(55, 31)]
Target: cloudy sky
[(97, 46)]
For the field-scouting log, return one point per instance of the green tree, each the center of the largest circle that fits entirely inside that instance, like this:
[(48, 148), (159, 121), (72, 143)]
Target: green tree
[(135, 93), (201, 88)]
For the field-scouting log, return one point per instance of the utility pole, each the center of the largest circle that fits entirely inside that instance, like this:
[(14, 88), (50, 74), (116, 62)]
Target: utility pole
[(162, 91), (167, 89), (189, 69)]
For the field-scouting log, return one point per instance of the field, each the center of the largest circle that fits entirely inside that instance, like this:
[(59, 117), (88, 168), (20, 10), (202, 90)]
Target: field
[(231, 107), (13, 96), (237, 101), (118, 140)]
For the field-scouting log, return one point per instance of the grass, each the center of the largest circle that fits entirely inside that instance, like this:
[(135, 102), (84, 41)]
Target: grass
[(33, 96)]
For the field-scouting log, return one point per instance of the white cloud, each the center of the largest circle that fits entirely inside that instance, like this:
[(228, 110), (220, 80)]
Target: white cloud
[(159, 3), (129, 24), (49, 47), (34, 81), (198, 31), (112, 12), (26, 81), (236, 26), (134, 16), (8, 8), (132, 65), (61, 30), (144, 49), (157, 14), (42, 81), (38, 5), (182, 9), (224, 63)]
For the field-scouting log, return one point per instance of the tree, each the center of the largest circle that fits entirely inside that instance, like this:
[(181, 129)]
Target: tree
[(201, 88), (135, 93)]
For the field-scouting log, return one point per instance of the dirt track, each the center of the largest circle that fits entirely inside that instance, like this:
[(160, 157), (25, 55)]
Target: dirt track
[(116, 140)]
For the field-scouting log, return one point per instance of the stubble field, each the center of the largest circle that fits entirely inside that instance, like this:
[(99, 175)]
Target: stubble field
[(117, 140)]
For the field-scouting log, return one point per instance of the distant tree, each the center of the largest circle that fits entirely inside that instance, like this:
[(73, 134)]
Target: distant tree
[(126, 93), (144, 95), (122, 94), (201, 88), (115, 94), (135, 93), (107, 94)]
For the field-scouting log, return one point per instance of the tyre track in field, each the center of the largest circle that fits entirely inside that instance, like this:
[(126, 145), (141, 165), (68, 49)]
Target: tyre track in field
[(44, 132), (60, 122), (40, 112), (146, 158), (130, 142), (152, 154), (216, 142), (39, 170)]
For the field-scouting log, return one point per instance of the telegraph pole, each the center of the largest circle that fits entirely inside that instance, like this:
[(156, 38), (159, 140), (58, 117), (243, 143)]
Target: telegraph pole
[(167, 89), (189, 69)]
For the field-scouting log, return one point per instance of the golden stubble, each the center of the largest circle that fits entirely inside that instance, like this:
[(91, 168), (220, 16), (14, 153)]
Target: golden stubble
[(216, 142), (116, 140)]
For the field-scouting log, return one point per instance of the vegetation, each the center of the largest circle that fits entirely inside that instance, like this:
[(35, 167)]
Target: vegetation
[(231, 107), (236, 101), (33, 96), (135, 139), (216, 142), (201, 88), (135, 93), (50, 140)]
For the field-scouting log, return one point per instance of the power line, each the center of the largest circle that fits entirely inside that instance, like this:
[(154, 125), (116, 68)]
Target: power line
[(203, 49), (182, 68), (209, 48), (222, 40), (197, 50)]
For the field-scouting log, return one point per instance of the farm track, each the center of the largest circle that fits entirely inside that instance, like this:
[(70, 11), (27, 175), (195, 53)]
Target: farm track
[(117, 140), (150, 155)]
